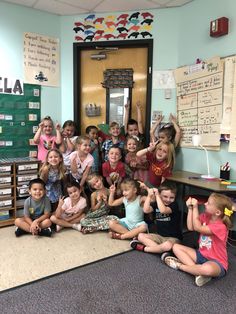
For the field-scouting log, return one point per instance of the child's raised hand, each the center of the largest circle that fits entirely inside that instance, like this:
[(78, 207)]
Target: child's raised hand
[(153, 144), (172, 118), (150, 192), (191, 202), (127, 105), (156, 192), (41, 125), (112, 188), (104, 197), (61, 201), (160, 117), (95, 141), (143, 185), (57, 127), (138, 104)]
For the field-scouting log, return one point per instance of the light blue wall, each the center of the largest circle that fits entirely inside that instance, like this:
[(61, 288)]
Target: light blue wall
[(180, 36), (195, 42), (14, 21)]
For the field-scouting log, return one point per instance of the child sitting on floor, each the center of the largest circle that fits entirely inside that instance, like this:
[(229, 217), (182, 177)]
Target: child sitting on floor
[(37, 210), (70, 210), (98, 217), (167, 219), (211, 259), (133, 223)]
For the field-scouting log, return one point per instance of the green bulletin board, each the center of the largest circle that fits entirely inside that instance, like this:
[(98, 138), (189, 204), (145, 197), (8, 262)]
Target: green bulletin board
[(19, 119)]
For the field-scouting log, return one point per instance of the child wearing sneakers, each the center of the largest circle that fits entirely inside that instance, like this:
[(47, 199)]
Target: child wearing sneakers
[(37, 210), (133, 223), (211, 259), (167, 218), (70, 210)]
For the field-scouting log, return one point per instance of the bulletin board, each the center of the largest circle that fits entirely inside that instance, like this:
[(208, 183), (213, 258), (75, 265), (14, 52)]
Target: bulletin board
[(19, 119), (199, 91)]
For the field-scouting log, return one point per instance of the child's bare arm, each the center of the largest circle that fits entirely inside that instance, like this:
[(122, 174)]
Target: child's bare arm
[(96, 201), (147, 200), (38, 133), (126, 113), (154, 127), (111, 200), (144, 151), (85, 175), (173, 120), (197, 225), (58, 134), (161, 206), (59, 209), (139, 117)]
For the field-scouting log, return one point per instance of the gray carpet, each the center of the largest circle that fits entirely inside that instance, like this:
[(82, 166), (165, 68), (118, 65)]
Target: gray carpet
[(132, 282)]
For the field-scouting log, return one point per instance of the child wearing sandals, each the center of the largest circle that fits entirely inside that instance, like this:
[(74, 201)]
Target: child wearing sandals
[(70, 210), (211, 259), (133, 223), (97, 218), (167, 218)]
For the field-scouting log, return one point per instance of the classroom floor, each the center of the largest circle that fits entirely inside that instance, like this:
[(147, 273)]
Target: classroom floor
[(29, 258)]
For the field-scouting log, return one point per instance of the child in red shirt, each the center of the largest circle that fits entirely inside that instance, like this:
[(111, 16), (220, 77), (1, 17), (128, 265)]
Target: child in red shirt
[(113, 169), (161, 157)]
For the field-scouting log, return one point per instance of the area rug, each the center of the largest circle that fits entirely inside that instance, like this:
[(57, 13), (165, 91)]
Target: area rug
[(133, 282), (29, 258)]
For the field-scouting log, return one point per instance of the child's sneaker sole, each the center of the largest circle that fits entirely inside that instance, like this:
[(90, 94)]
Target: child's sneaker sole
[(202, 280)]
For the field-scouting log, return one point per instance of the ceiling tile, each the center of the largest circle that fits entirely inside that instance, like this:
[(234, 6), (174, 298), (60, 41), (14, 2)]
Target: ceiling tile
[(124, 5), (174, 3), (28, 3), (59, 8), (85, 4)]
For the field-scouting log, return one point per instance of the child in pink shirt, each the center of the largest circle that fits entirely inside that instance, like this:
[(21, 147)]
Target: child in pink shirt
[(211, 259), (45, 139)]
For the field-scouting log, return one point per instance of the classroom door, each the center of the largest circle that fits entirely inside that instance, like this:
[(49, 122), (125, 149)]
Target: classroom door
[(91, 78)]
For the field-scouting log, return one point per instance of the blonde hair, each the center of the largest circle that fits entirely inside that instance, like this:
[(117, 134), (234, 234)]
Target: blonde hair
[(223, 202), (170, 153), (81, 139), (113, 124), (92, 176), (46, 166)]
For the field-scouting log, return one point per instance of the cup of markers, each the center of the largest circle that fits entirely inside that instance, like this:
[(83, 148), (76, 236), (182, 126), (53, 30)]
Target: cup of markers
[(225, 171)]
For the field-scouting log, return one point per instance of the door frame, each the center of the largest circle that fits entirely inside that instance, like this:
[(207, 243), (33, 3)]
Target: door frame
[(79, 47)]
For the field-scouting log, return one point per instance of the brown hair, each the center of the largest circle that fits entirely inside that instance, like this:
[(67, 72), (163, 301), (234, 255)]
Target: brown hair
[(168, 186), (131, 183)]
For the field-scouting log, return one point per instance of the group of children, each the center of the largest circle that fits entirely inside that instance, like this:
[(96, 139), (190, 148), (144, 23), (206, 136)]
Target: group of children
[(70, 193)]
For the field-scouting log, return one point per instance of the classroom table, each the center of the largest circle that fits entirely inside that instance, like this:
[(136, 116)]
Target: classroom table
[(191, 184), (192, 179)]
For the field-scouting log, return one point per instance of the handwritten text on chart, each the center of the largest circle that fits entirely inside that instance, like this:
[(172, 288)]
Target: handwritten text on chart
[(200, 116), (200, 84), (188, 131)]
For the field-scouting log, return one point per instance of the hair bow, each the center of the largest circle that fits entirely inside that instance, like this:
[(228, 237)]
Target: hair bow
[(228, 212)]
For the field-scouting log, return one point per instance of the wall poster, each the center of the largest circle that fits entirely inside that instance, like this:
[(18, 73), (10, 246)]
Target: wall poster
[(199, 102), (41, 59)]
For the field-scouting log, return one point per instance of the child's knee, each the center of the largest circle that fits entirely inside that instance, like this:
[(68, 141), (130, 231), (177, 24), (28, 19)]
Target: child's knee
[(112, 223), (53, 218)]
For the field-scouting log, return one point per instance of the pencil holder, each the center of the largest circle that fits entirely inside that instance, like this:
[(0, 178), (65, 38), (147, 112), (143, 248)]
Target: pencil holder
[(225, 174)]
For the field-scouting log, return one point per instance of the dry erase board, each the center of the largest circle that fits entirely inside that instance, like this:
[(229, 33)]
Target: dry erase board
[(19, 118)]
